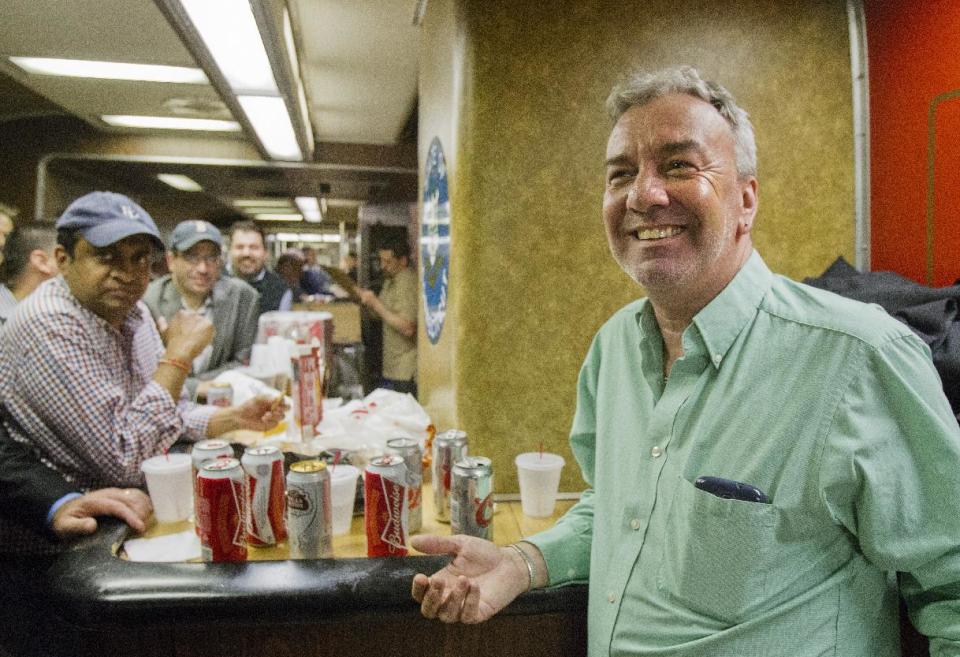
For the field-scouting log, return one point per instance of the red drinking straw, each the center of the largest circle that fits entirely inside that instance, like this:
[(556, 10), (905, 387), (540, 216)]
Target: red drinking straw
[(541, 450), (336, 459)]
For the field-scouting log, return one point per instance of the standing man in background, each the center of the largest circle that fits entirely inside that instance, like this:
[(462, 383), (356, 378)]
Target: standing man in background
[(397, 307), (194, 283), (248, 261), (28, 260), (768, 466)]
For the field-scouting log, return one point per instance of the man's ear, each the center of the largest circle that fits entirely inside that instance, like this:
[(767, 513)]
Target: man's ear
[(43, 262), (748, 206), (61, 256)]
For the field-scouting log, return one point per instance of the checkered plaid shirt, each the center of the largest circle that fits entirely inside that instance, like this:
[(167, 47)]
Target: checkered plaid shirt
[(82, 393)]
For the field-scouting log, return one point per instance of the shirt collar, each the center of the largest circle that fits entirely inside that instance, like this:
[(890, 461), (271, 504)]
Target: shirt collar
[(722, 320), (719, 323)]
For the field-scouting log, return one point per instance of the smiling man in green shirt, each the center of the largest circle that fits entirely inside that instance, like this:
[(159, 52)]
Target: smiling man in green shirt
[(824, 417)]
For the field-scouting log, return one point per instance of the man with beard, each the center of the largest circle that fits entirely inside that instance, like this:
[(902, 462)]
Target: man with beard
[(763, 459), (248, 261)]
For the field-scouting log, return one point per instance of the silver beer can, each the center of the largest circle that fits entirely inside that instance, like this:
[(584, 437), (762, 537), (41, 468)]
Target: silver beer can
[(471, 497), (412, 455), (448, 448), (309, 525)]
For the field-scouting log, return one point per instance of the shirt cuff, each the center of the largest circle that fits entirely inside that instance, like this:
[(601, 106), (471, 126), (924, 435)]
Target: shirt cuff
[(566, 553), (196, 417), (56, 505)]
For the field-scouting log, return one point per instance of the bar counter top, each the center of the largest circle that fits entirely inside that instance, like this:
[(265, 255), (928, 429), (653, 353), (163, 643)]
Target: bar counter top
[(285, 606)]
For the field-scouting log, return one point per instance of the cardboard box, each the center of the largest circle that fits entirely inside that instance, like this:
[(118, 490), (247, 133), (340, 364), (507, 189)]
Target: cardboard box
[(346, 319)]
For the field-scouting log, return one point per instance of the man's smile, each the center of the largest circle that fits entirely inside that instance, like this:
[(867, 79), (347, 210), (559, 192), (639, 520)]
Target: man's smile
[(662, 232)]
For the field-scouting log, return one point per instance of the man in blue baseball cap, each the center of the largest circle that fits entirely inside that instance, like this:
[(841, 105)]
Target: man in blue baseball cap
[(85, 379), (194, 283)]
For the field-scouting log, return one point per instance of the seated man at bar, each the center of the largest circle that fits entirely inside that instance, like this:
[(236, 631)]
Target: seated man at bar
[(84, 377), (762, 458), (194, 283), (248, 261), (397, 307), (28, 260)]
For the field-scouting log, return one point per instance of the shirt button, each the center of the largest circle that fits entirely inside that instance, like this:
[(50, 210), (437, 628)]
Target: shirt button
[(635, 524), (656, 451), (717, 358), (571, 573), (611, 598)]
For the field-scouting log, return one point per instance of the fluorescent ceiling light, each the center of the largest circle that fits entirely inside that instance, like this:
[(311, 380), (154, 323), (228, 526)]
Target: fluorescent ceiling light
[(269, 118), (308, 237), (309, 208), (170, 123), (263, 202), (230, 33), (82, 68), (278, 216), (267, 209), (181, 182)]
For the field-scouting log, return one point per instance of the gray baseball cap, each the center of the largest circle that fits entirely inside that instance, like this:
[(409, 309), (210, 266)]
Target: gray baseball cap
[(188, 233), (107, 217)]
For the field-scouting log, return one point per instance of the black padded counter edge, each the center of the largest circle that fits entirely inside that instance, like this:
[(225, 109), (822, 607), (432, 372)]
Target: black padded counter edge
[(90, 587)]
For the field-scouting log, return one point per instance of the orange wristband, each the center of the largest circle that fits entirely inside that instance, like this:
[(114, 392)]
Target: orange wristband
[(175, 362)]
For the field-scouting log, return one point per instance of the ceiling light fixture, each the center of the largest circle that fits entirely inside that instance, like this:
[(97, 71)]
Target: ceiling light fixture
[(232, 37), (180, 181), (170, 123), (278, 216), (271, 122), (83, 68), (264, 202), (310, 208)]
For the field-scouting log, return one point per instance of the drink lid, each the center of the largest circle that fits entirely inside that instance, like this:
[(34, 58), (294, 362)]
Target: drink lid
[(313, 465), (387, 459), (401, 442)]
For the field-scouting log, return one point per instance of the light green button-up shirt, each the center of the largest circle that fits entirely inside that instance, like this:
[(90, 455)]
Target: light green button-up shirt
[(830, 407)]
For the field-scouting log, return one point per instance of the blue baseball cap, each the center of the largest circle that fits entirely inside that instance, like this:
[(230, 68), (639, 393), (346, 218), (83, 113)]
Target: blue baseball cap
[(106, 217), (188, 233)]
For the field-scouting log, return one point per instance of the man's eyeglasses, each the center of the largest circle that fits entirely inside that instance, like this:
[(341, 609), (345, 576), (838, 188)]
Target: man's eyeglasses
[(195, 259)]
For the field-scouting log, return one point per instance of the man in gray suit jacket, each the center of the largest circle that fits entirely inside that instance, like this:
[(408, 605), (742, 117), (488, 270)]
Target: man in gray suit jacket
[(194, 283)]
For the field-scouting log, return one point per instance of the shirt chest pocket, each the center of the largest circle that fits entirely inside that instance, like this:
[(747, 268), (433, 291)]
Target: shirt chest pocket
[(716, 553)]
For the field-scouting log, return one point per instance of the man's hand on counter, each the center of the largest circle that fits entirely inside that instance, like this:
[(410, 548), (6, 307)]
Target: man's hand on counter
[(78, 516), (481, 580)]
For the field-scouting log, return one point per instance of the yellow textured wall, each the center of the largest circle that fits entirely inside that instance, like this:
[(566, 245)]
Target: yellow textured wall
[(533, 279)]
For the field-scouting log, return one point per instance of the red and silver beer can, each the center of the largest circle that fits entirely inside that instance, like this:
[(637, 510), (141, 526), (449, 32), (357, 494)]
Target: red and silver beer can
[(203, 451), (221, 510), (220, 394), (306, 389), (385, 506), (471, 498), (448, 448), (412, 454), (266, 495), (309, 522)]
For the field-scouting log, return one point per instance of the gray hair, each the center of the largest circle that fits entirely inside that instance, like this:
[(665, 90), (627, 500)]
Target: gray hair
[(641, 88)]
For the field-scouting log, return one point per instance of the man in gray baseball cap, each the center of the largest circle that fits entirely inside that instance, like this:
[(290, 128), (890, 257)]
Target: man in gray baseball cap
[(85, 379), (194, 284)]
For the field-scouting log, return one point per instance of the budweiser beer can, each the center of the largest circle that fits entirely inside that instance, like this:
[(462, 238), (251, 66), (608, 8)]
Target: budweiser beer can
[(203, 451), (220, 511), (412, 454), (266, 495), (385, 506), (306, 389), (308, 511), (471, 498), (448, 448), (220, 394)]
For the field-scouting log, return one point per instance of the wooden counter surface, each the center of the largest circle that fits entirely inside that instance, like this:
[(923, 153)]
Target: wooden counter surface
[(509, 526)]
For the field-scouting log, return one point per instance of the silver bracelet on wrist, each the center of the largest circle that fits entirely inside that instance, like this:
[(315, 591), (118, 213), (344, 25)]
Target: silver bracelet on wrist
[(531, 569)]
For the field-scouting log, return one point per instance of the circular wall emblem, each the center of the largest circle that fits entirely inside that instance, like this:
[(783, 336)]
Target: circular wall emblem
[(435, 240)]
